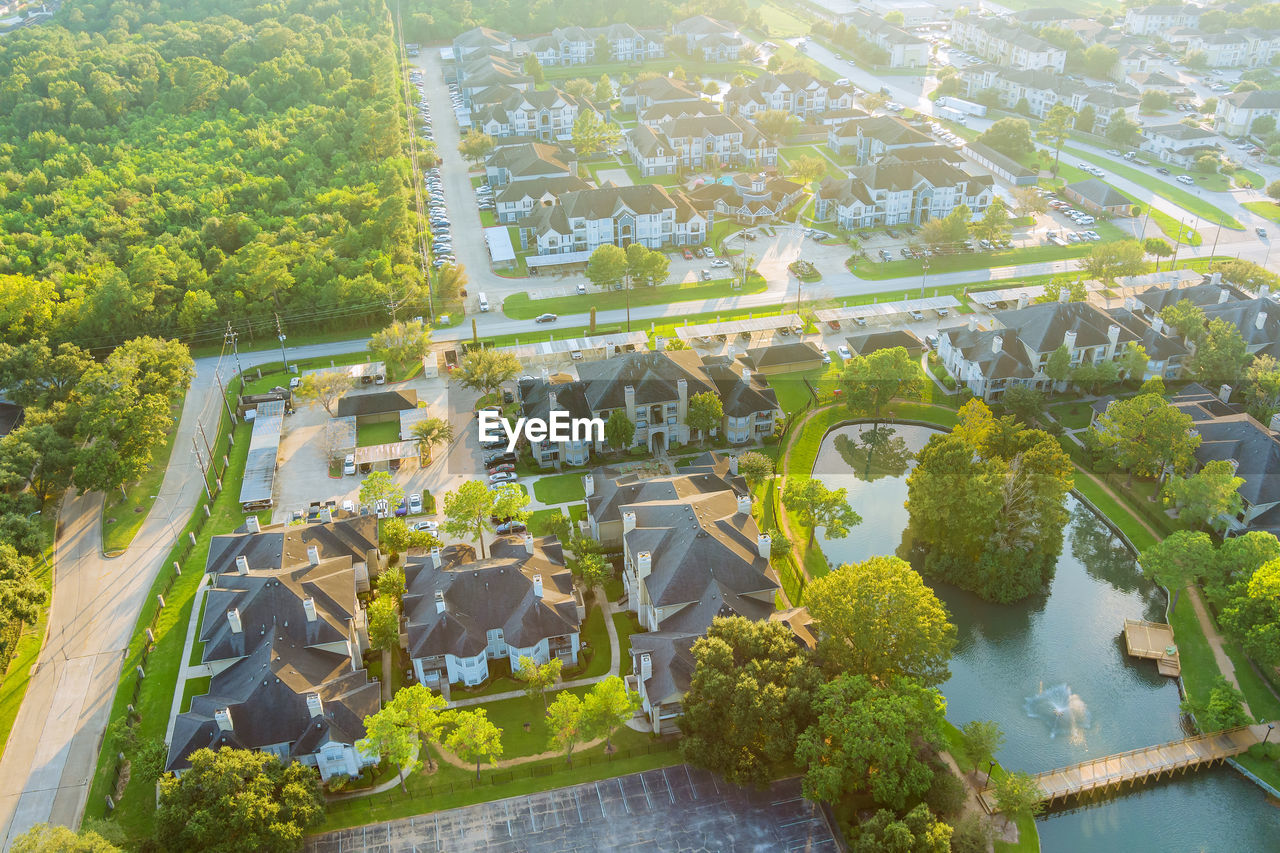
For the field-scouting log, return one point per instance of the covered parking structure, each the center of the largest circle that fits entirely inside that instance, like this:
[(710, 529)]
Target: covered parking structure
[(536, 263), (256, 492), (501, 253), (367, 373), (588, 348), (1017, 297), (383, 457), (749, 326), (885, 311)]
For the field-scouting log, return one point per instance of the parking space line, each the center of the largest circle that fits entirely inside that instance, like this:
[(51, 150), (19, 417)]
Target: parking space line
[(645, 785), (667, 782), (692, 788), (624, 795)]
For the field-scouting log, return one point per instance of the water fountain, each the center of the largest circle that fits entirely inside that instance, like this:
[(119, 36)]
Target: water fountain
[(1064, 711)]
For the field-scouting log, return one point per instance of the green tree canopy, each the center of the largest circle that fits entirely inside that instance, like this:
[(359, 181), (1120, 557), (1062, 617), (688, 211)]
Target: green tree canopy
[(607, 266), (1145, 435), (619, 431), (485, 370), (474, 737), (870, 382), (1208, 498), (1011, 136), (706, 412), (1178, 560), (817, 506), (467, 512)]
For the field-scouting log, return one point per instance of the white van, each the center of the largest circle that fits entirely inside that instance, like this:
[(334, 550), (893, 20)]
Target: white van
[(484, 302)]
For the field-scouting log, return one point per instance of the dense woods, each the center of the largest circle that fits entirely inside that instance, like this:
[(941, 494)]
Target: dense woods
[(168, 166), (431, 20)]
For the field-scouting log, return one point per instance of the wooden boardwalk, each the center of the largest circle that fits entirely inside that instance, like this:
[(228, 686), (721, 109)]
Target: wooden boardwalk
[(1112, 772), (1153, 641)]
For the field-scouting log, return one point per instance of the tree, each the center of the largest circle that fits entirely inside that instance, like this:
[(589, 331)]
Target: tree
[(1157, 247), (401, 343), (755, 468), (423, 713), (325, 388), (388, 736), (270, 806), (1252, 615), (451, 280), (1018, 795), (1220, 355), (21, 596), (948, 231), (475, 145), (1122, 130), (538, 677), (748, 700), (1053, 291), (806, 169), (397, 537), (866, 740), (565, 722), (485, 370), (510, 501), (870, 382), (894, 18), (1108, 261), (1100, 59), (1058, 367), (467, 512), (619, 431), (817, 506), (592, 570), (378, 486), (1055, 128), (604, 90), (705, 414), (579, 87), (591, 134), (1086, 118), (1027, 202), (1146, 436), (391, 583), (1025, 403), (1237, 561), (994, 224), (918, 831), (430, 432), (1154, 101), (533, 67), (776, 125), (384, 624), (607, 266), (608, 705), (49, 838), (645, 267), (474, 737), (1208, 498), (1133, 361), (981, 739), (877, 618), (1186, 318), (1273, 190), (1262, 387), (1011, 136), (1224, 710), (1177, 560)]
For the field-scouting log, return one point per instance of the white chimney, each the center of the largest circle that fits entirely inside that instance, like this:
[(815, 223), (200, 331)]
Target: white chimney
[(1264, 291), (313, 555), (628, 522), (309, 606), (588, 484), (242, 565), (763, 543), (1130, 303), (973, 323), (1224, 393), (1064, 293), (1023, 300), (439, 601), (746, 375), (537, 585), (1113, 334), (1223, 295), (1274, 426), (251, 524), (546, 375), (223, 716), (1157, 324), (744, 504), (551, 401), (315, 705), (1069, 341), (1215, 278), (233, 620), (1260, 322), (644, 563), (646, 667), (528, 543), (436, 559), (733, 465), (997, 343)]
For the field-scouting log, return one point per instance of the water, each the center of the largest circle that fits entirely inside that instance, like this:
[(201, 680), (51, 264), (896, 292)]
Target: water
[(1053, 673)]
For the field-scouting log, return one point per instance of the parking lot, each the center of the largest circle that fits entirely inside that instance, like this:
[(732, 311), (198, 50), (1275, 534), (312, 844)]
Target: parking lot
[(674, 808)]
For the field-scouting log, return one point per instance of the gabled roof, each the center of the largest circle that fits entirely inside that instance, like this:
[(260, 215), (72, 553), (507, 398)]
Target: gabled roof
[(484, 595), (532, 159), (1264, 99), (540, 188), (868, 342), (281, 547), (1099, 192), (795, 352), (977, 347), (1228, 434), (1042, 328), (1179, 131), (377, 402), (701, 25)]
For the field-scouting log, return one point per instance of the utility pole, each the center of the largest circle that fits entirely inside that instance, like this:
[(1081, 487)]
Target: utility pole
[(1214, 250), (204, 472), (230, 337), (924, 271), (217, 376), (280, 334), (207, 449)]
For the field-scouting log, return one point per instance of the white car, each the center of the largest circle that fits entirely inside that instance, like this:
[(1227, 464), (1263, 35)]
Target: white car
[(349, 465), (429, 526), (1186, 179), (843, 352), (415, 504), (503, 477), (381, 509), (348, 505), (719, 262), (916, 315)]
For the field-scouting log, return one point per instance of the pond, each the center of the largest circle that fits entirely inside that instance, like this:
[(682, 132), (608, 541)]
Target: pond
[(1052, 671)]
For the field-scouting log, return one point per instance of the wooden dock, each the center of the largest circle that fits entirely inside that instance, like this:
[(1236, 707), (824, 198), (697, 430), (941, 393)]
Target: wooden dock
[(1113, 772), (1153, 641)]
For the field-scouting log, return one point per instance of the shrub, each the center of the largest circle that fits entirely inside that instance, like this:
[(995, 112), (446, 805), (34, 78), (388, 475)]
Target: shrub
[(946, 794)]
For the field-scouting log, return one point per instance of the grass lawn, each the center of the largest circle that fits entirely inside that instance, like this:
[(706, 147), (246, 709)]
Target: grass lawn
[(123, 514), (625, 624), (385, 432), (1028, 836), (559, 489), (791, 389), (1073, 415), (518, 306), (877, 270), (488, 218), (780, 22), (17, 675), (1241, 176), (1162, 188), (191, 688), (539, 520), (1176, 232), (596, 637), (1266, 209)]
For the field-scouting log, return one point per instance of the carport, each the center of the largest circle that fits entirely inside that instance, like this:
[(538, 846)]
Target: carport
[(728, 328), (563, 259), (1017, 297), (886, 311), (367, 373), (501, 253), (379, 457), (589, 348), (260, 465)]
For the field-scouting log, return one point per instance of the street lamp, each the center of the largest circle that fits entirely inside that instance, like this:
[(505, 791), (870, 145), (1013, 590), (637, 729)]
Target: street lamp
[(1270, 726), (990, 765), (924, 271)]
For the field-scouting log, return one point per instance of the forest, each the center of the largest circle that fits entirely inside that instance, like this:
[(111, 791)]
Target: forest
[(167, 166)]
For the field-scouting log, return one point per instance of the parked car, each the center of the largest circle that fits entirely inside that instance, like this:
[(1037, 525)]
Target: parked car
[(720, 263), (349, 465), (503, 477), (511, 527), (428, 526), (706, 275), (916, 315), (546, 318), (1261, 232), (415, 503), (402, 508), (844, 353), (688, 255), (502, 467), (1185, 179), (834, 325)]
